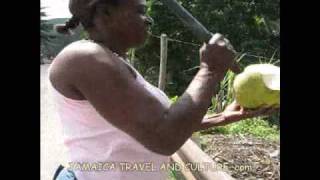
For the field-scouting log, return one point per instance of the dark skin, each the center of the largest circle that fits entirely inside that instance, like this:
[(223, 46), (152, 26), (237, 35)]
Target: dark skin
[(233, 113), (90, 71)]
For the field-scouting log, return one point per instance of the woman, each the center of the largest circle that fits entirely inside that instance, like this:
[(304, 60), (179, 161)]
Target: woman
[(109, 112)]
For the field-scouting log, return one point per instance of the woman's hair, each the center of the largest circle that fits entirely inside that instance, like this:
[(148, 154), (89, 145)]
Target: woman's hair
[(83, 12), (72, 23)]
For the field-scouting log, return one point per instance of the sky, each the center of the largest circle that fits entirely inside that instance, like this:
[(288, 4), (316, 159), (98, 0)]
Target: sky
[(56, 8)]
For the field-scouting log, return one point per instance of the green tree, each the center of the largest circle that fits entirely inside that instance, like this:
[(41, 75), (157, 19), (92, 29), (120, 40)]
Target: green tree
[(251, 26), (56, 44), (45, 34)]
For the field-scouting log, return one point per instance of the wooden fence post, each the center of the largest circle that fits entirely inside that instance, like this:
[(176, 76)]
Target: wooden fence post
[(132, 57), (163, 62)]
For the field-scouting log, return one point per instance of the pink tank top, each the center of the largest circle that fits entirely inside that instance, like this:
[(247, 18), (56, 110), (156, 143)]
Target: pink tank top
[(100, 151)]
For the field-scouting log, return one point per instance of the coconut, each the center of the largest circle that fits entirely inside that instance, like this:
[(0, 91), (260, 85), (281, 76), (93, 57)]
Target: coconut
[(258, 86)]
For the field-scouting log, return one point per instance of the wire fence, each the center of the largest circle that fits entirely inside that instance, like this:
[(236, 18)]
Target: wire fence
[(248, 54)]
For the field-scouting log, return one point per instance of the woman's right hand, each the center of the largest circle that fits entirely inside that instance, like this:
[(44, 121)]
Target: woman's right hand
[(216, 56)]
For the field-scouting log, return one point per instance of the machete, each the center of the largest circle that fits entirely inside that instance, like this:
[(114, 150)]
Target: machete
[(195, 26)]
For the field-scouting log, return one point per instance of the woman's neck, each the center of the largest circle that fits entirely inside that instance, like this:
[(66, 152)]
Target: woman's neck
[(112, 45)]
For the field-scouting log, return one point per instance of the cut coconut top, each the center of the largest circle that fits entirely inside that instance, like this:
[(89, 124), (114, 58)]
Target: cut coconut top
[(270, 74)]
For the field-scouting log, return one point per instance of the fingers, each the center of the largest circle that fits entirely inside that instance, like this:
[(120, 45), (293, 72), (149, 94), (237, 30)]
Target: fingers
[(233, 116), (224, 42), (234, 106), (216, 38), (271, 111), (242, 110), (203, 48), (235, 68), (235, 103), (219, 49), (237, 106), (220, 40), (260, 112)]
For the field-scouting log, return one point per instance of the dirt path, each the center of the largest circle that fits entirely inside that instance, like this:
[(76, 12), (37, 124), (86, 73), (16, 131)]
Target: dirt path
[(53, 151), (243, 156)]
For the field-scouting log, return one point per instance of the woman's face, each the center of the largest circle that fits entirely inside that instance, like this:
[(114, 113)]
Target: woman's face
[(129, 22)]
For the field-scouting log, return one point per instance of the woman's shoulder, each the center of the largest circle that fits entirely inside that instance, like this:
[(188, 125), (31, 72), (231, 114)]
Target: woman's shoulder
[(81, 53), (73, 63), (80, 57), (82, 48)]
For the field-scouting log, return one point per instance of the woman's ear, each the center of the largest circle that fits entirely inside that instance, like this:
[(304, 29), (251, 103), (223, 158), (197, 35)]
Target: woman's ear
[(104, 9), (102, 15)]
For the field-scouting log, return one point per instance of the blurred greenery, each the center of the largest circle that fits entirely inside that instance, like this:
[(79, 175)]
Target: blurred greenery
[(45, 34), (50, 48), (251, 26)]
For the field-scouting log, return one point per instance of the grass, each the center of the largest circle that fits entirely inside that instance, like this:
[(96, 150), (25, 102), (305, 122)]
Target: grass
[(172, 175), (175, 175), (257, 127)]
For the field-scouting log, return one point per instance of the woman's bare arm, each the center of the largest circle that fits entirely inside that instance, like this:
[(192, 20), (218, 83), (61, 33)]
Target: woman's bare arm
[(118, 97), (233, 113)]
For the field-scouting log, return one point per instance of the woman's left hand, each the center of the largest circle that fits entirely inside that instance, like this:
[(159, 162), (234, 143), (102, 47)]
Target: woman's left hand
[(233, 113)]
